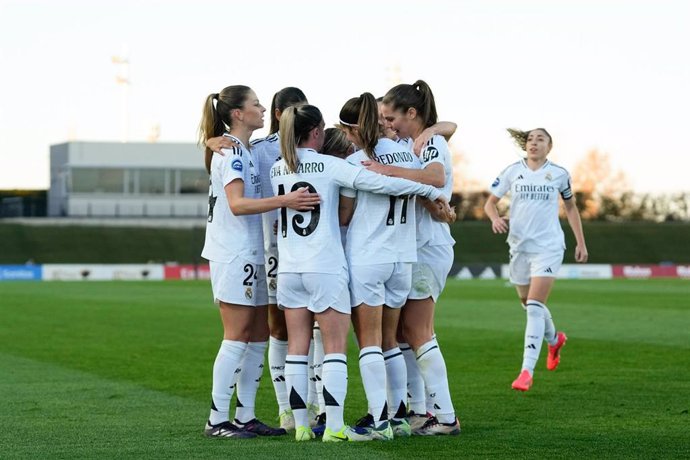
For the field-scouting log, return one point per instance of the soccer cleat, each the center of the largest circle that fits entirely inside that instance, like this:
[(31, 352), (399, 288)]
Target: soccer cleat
[(383, 432), (286, 420), (416, 421), (304, 433), (523, 382), (260, 428), (401, 428), (347, 433), (433, 427), (554, 356), (226, 430), (365, 422), (320, 425)]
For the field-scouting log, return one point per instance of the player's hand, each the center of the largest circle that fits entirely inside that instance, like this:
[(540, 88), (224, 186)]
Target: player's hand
[(218, 143), (301, 200), (499, 225), (421, 141), (446, 213), (581, 254), (376, 167)]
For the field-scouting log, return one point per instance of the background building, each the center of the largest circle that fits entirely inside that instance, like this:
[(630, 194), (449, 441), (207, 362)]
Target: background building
[(105, 179)]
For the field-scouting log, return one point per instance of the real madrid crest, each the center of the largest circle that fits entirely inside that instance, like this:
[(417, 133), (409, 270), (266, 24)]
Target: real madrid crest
[(248, 293), (548, 176), (272, 285)]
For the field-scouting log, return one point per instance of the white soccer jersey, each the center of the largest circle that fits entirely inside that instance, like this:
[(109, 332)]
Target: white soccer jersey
[(429, 231), (309, 242), (534, 224), (383, 228), (228, 235), (266, 152)]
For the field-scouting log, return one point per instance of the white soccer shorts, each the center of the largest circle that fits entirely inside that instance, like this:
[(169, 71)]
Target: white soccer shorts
[(430, 272), (525, 265), (380, 284), (316, 291), (239, 282)]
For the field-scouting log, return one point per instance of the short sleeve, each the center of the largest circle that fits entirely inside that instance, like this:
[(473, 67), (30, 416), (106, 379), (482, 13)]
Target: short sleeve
[(565, 188), (501, 184), (234, 166)]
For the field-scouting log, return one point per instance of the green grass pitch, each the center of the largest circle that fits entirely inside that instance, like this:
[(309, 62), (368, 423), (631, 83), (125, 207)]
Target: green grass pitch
[(123, 370)]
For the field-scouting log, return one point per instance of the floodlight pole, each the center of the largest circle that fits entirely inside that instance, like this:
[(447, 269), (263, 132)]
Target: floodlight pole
[(122, 79)]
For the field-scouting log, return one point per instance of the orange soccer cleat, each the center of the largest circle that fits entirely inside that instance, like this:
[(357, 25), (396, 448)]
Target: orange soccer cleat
[(554, 356), (523, 382)]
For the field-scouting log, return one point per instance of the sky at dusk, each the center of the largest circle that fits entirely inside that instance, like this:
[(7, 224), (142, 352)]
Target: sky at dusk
[(611, 75)]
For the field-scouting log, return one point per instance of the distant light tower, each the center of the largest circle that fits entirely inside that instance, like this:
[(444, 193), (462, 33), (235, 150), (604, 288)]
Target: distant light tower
[(122, 79)]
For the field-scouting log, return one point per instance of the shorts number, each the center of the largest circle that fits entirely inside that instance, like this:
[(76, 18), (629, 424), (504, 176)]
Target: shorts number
[(251, 275), (299, 218), (272, 267), (390, 220)]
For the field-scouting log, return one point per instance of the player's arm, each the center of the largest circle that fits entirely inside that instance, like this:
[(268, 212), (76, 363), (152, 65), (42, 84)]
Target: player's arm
[(346, 209), (573, 215), (433, 174), (442, 128), (300, 200), (498, 224)]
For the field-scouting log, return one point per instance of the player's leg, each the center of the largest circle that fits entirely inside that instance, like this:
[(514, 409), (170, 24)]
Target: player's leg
[(320, 425), (299, 322), (397, 289), (277, 351), (428, 281)]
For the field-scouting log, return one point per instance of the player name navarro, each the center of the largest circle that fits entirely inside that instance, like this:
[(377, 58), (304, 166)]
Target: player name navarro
[(302, 168)]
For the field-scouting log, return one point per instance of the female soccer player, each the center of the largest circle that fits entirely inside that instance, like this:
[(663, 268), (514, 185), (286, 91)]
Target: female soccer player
[(313, 270), (536, 240), (410, 109), (234, 248), (380, 249), (266, 151)]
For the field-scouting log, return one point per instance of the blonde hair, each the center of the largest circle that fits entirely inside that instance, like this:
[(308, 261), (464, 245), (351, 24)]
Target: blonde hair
[(215, 117), (335, 143), (296, 123)]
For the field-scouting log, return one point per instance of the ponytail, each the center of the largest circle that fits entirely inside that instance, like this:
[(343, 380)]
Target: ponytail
[(283, 99), (418, 96), (429, 115), (296, 122), (215, 118), (287, 139), (362, 113)]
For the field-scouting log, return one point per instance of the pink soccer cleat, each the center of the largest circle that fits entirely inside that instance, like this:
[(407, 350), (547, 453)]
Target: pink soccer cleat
[(554, 356)]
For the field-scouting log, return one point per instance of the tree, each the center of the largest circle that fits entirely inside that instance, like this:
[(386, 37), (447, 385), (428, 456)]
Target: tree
[(599, 188)]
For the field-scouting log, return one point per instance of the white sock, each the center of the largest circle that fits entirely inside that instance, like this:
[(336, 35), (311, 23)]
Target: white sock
[(433, 370), (312, 396), (397, 383), (334, 389), (277, 350), (549, 327), (416, 397), (228, 359), (534, 334), (296, 371), (373, 371), (430, 409), (252, 367), (318, 367)]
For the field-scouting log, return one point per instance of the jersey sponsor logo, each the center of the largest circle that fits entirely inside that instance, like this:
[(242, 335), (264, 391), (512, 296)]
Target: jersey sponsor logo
[(519, 177), (496, 182), (429, 154), (236, 165)]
